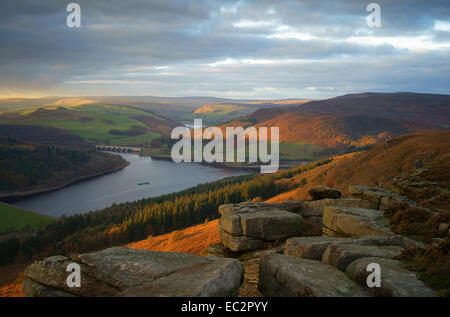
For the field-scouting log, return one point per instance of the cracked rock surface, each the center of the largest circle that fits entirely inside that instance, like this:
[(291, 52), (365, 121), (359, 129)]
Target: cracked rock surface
[(123, 271)]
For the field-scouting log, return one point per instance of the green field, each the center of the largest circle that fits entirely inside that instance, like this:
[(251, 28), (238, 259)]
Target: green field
[(16, 219), (92, 122)]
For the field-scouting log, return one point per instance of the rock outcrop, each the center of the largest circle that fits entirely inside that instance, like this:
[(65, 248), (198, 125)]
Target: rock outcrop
[(354, 222), (341, 255), (322, 192), (288, 276), (247, 226), (326, 266), (355, 233), (382, 198), (131, 272), (395, 281), (311, 248)]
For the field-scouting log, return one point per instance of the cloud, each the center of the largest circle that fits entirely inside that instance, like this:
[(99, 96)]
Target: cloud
[(246, 48)]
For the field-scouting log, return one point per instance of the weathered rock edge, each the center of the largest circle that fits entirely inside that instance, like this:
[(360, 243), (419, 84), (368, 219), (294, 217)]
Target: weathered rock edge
[(124, 271)]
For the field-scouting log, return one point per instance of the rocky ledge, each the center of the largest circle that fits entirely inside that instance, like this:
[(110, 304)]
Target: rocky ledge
[(353, 233), (129, 272), (327, 266)]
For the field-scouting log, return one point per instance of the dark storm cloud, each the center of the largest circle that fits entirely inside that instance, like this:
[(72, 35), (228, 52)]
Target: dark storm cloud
[(259, 48)]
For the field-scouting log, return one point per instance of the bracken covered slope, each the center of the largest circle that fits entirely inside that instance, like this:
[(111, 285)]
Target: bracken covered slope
[(417, 165), (354, 120)]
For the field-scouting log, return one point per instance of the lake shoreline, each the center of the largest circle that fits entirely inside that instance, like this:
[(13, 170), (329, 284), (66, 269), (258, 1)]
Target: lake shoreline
[(19, 195), (96, 193), (232, 166), (24, 194)]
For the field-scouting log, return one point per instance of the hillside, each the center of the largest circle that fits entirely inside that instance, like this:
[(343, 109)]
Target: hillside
[(308, 136), (175, 108), (421, 108), (41, 135), (297, 125), (222, 112), (350, 122), (416, 165), (97, 123), (195, 240)]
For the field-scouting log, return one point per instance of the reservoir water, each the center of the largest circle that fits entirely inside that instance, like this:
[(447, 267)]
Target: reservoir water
[(143, 178)]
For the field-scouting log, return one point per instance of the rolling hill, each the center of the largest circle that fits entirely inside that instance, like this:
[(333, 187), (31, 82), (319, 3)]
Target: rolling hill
[(297, 125), (349, 122), (41, 135), (175, 108), (95, 123), (429, 109), (222, 112)]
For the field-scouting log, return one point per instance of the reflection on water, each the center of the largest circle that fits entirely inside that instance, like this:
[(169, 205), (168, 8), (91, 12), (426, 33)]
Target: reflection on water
[(163, 177)]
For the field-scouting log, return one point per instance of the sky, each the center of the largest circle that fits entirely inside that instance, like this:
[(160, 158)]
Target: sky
[(255, 49)]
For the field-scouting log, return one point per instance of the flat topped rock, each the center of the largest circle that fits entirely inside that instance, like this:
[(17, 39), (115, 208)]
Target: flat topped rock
[(218, 279), (395, 281), (355, 222), (315, 207), (270, 223), (132, 267), (369, 193), (383, 198), (122, 271), (311, 248), (284, 275), (341, 255), (393, 240), (321, 192), (245, 227)]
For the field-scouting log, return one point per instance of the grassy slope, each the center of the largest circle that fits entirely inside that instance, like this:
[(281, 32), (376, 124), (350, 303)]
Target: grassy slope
[(15, 219), (92, 122)]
